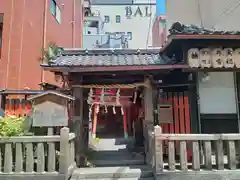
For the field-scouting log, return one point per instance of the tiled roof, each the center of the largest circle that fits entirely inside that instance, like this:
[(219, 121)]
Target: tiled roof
[(108, 57), (181, 29)]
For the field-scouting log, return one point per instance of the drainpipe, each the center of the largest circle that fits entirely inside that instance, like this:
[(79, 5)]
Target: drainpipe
[(9, 44), (73, 24), (44, 45)]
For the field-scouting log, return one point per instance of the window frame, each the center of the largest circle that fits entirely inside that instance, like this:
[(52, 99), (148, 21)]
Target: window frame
[(118, 19), (129, 35), (1, 33), (106, 17), (55, 11)]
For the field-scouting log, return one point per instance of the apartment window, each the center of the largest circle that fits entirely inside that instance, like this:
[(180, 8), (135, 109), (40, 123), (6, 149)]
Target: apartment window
[(129, 35), (118, 19), (55, 10), (106, 19), (1, 32)]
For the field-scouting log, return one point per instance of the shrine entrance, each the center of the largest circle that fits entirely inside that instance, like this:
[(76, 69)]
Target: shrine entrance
[(112, 111)]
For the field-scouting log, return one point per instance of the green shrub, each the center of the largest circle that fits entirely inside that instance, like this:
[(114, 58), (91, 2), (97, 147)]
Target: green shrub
[(12, 126)]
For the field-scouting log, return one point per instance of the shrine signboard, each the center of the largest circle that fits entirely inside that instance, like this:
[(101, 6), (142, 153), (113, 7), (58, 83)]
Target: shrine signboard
[(165, 113), (50, 109)]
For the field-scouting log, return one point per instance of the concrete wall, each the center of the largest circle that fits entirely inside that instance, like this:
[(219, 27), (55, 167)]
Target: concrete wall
[(139, 26), (218, 14), (26, 30)]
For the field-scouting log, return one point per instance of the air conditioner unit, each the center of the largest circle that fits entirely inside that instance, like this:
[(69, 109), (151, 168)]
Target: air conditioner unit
[(217, 58), (193, 58), (96, 13), (228, 58), (205, 58)]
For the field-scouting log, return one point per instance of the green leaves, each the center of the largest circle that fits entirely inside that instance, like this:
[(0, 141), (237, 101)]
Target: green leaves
[(12, 126), (52, 52)]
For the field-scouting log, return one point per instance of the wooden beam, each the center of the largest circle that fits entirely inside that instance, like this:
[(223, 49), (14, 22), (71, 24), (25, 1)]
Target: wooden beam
[(113, 68), (78, 123)]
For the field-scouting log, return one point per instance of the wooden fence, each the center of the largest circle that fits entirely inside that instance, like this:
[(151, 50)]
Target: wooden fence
[(38, 157), (220, 162)]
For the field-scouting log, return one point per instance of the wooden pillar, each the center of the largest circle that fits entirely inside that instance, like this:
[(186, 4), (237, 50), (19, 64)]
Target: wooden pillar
[(94, 128), (148, 112), (125, 123), (148, 102), (78, 123)]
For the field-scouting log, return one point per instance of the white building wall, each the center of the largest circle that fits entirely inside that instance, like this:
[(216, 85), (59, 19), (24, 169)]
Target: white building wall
[(218, 14), (218, 94), (139, 26)]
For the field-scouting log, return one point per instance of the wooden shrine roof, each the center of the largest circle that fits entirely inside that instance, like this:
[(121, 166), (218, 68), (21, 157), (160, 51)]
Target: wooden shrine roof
[(82, 60), (191, 35)]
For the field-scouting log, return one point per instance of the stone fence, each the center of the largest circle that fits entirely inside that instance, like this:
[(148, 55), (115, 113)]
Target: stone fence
[(193, 156), (37, 157)]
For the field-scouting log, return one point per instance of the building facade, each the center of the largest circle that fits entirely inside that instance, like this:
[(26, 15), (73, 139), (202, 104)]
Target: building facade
[(217, 91), (132, 18), (27, 27), (94, 35)]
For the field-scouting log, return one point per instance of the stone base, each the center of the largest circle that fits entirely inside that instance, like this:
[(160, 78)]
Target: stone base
[(200, 175)]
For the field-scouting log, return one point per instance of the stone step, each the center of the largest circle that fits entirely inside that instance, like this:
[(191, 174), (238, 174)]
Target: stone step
[(125, 172), (117, 162), (150, 178), (113, 144), (116, 154)]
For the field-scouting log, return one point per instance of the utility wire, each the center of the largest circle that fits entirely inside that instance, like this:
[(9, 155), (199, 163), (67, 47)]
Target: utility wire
[(228, 11)]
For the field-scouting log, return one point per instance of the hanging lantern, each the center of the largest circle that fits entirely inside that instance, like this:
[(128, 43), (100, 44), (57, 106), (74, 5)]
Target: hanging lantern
[(205, 58), (114, 110), (102, 96), (118, 97), (193, 58), (106, 110), (217, 58), (97, 109), (90, 94), (228, 58), (135, 97), (122, 111), (90, 112), (236, 57)]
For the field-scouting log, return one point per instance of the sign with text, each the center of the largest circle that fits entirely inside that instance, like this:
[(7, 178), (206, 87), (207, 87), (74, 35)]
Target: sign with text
[(50, 114), (165, 113), (139, 11), (50, 109)]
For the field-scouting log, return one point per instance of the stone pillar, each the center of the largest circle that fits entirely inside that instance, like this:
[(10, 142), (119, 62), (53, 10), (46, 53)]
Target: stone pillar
[(148, 103)]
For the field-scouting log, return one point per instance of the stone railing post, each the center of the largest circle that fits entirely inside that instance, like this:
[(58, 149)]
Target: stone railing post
[(64, 151), (148, 143), (158, 150)]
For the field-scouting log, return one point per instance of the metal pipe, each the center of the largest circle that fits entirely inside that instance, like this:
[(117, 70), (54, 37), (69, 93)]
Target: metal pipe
[(44, 35)]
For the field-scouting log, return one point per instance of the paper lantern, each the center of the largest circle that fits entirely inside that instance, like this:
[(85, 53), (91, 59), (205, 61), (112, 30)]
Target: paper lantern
[(205, 58), (236, 57), (217, 58), (228, 60), (193, 58)]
